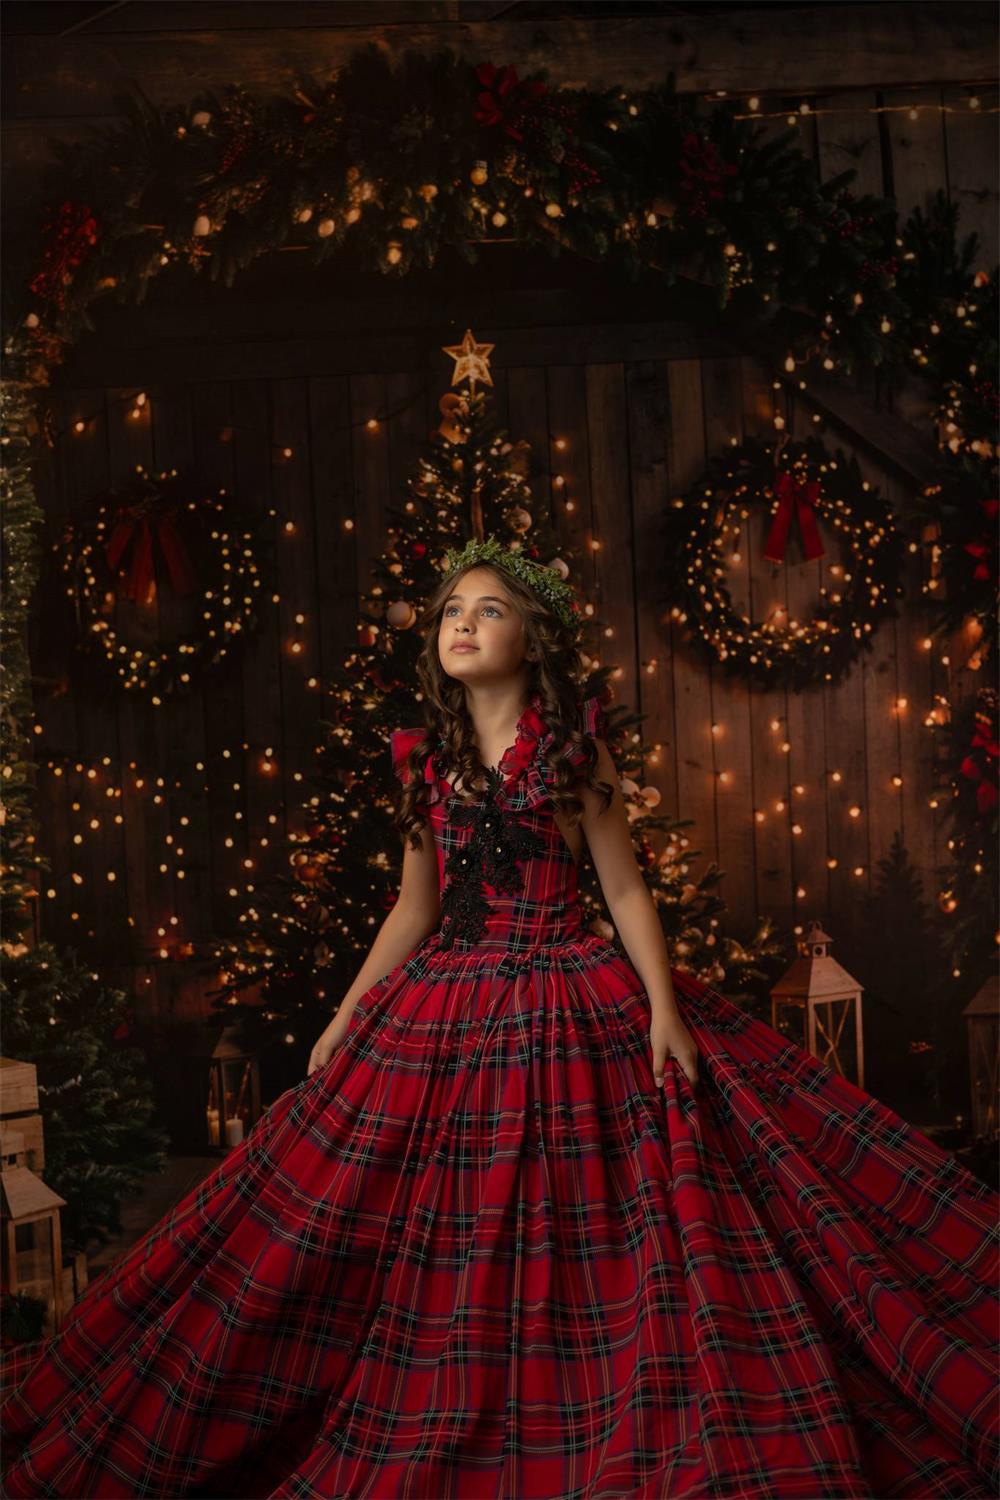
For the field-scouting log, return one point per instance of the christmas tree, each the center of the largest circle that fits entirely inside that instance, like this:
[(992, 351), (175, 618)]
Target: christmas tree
[(306, 935)]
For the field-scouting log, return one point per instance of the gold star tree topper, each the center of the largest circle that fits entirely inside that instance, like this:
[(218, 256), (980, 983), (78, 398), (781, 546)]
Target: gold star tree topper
[(471, 361)]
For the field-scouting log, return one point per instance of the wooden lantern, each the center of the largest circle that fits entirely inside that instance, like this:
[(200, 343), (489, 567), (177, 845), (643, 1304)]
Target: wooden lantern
[(233, 1091), (828, 996), (30, 1228), (982, 1020)]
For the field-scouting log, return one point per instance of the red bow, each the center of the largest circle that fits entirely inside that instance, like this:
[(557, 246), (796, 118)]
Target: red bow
[(140, 583), (802, 498)]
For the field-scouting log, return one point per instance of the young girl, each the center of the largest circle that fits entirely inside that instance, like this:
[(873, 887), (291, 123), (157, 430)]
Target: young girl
[(542, 1222)]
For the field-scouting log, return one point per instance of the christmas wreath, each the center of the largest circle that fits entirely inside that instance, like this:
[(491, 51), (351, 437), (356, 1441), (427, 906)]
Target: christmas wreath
[(149, 544), (798, 482)]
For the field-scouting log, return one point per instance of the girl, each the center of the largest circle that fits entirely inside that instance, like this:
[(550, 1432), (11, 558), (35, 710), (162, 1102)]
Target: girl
[(542, 1222)]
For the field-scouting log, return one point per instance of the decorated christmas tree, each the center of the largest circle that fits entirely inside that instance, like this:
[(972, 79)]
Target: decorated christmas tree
[(306, 935)]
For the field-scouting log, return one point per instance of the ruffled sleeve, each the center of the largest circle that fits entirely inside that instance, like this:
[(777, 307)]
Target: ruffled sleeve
[(538, 776), (401, 742), (594, 719)]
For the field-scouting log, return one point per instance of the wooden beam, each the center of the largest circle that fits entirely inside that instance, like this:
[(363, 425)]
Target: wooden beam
[(845, 46)]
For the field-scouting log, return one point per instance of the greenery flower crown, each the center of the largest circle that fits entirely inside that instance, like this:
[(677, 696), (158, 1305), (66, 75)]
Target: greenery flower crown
[(556, 593)]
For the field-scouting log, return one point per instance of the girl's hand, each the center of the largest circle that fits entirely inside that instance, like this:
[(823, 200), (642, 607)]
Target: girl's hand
[(328, 1042), (668, 1035)]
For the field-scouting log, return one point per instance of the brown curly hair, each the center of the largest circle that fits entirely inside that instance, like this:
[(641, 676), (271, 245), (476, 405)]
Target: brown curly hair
[(555, 670)]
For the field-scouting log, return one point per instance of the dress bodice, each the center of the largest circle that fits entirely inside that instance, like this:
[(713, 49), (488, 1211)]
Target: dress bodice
[(507, 877)]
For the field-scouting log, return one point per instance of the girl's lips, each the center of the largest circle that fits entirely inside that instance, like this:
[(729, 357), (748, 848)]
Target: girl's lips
[(465, 648)]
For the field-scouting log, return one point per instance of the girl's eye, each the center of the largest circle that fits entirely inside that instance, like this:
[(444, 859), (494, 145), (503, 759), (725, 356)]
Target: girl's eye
[(491, 607)]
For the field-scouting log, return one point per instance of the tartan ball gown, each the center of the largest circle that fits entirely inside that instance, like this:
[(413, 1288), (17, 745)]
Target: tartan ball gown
[(480, 1256)]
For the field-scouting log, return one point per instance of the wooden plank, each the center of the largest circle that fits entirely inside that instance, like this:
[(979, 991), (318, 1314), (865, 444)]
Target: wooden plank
[(262, 729), (915, 683), (181, 720), (805, 710), (604, 417), (371, 473), (692, 676), (221, 702), (150, 894), (847, 139), (384, 353), (884, 803), (414, 407), (576, 510), (648, 423), (55, 709), (731, 735), (768, 705), (973, 170), (914, 128), (297, 573), (847, 787), (852, 46), (333, 522), (104, 916), (528, 422), (544, 313)]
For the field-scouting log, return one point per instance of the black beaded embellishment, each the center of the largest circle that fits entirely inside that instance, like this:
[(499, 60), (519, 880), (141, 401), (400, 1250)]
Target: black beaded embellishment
[(498, 842)]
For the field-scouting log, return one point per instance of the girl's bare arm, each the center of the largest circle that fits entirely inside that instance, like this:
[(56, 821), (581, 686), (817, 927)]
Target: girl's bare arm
[(626, 893), (416, 913)]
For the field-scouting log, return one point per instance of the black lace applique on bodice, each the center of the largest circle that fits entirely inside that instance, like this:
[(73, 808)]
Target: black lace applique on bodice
[(499, 841)]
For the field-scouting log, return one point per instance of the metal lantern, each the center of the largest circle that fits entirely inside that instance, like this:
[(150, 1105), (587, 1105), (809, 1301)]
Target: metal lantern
[(30, 1228), (982, 1020), (233, 1091), (828, 997)]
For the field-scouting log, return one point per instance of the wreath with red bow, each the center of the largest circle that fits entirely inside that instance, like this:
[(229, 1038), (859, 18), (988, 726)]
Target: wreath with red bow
[(149, 554), (806, 491)]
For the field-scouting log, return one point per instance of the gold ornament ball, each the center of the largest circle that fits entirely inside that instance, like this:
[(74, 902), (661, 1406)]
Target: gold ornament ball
[(394, 254), (409, 222), (303, 216), (553, 210), (519, 519), (325, 228), (202, 225), (479, 173), (428, 191), (401, 614), (499, 219)]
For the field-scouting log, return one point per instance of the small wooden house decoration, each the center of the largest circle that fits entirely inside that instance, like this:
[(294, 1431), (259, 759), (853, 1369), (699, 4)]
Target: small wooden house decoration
[(828, 996), (30, 1228), (982, 1020), (233, 1091)]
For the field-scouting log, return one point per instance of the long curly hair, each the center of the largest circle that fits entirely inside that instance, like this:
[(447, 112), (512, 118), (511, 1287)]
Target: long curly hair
[(555, 668)]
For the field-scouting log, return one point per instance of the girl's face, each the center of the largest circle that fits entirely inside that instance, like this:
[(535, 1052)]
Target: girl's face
[(480, 613)]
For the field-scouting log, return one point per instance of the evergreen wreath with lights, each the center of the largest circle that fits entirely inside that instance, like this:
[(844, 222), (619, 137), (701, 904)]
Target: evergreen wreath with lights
[(149, 538), (798, 481)]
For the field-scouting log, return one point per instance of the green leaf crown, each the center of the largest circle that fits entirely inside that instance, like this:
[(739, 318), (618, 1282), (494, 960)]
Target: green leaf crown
[(557, 594)]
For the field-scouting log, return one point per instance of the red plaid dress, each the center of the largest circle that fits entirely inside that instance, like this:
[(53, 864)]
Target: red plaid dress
[(479, 1256)]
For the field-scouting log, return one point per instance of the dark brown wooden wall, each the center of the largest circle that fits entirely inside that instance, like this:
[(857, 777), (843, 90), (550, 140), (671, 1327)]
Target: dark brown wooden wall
[(641, 400)]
